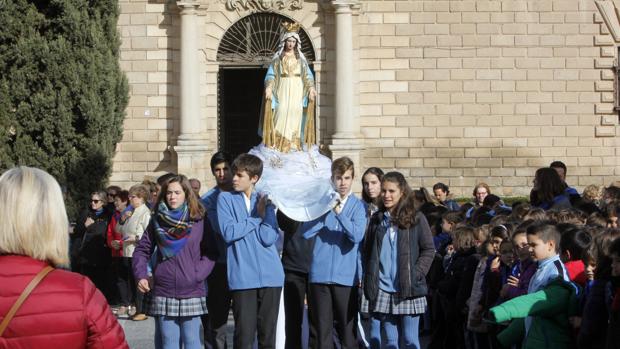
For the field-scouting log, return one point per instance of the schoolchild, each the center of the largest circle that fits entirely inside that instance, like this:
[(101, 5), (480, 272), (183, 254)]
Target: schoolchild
[(333, 272), (613, 328), (573, 243), (497, 275), (371, 195), (371, 189), (255, 276), (540, 318), (296, 259), (523, 269), (497, 235), (455, 288), (443, 239), (477, 330), (174, 240), (219, 297), (398, 253), (594, 301)]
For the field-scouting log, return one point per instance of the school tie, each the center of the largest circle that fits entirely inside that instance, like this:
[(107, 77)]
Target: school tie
[(338, 207)]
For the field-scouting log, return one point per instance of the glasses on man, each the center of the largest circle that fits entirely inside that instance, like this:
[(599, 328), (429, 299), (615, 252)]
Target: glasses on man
[(112, 194), (95, 201)]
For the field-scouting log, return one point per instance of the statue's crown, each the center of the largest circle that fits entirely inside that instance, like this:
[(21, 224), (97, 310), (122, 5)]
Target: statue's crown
[(291, 27)]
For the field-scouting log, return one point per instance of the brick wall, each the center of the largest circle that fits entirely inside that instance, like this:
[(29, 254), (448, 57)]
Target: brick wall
[(149, 56), (470, 91), (452, 91)]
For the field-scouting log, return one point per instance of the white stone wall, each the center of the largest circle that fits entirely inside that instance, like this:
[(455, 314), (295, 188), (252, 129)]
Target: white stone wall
[(452, 91), (470, 91)]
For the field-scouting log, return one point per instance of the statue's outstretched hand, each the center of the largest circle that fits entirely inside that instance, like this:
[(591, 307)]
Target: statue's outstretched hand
[(312, 94)]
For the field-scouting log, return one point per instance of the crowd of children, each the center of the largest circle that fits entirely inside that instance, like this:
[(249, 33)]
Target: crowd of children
[(373, 272), (542, 274)]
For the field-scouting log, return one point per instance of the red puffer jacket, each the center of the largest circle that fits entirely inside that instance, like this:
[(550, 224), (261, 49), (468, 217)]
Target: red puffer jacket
[(64, 311)]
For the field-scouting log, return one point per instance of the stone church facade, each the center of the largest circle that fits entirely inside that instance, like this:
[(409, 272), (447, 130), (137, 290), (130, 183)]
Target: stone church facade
[(454, 91)]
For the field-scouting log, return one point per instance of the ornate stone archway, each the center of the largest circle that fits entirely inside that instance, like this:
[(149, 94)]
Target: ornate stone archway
[(200, 37), (254, 38)]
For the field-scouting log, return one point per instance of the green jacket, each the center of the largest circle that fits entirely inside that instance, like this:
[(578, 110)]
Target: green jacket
[(549, 308)]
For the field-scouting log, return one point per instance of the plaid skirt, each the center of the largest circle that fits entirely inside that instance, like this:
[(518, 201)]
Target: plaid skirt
[(392, 303), (158, 306)]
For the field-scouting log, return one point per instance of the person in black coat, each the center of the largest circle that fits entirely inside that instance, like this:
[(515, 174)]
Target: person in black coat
[(296, 260), (92, 254), (455, 288)]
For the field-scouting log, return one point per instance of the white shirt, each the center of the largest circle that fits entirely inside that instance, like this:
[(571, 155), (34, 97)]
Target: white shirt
[(247, 202)]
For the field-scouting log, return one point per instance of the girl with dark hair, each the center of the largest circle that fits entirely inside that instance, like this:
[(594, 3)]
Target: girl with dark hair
[(371, 196), (371, 193), (549, 190), (178, 291), (573, 243), (397, 255)]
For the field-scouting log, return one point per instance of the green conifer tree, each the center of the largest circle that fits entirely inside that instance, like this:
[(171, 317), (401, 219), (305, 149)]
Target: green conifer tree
[(62, 92)]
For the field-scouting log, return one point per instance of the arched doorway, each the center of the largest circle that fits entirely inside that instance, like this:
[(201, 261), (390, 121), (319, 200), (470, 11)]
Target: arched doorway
[(244, 55)]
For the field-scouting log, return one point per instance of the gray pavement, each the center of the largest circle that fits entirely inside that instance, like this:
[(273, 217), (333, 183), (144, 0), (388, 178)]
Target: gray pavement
[(140, 334)]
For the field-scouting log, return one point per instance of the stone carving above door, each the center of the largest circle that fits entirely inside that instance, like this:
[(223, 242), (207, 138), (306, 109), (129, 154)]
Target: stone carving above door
[(264, 5)]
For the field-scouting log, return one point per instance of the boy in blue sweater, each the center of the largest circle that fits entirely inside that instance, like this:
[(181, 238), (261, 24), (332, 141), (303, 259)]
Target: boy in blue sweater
[(333, 278), (255, 275)]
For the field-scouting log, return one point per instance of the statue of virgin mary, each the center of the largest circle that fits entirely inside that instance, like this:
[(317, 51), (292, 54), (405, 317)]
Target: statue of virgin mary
[(288, 113), (296, 177)]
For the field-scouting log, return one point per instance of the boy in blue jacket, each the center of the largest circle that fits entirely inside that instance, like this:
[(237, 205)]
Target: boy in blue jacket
[(255, 274), (332, 295)]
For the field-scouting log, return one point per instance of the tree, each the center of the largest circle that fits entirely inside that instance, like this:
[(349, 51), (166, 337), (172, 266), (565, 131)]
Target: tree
[(62, 92)]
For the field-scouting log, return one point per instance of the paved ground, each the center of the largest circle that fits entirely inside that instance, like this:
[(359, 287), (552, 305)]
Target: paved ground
[(140, 334)]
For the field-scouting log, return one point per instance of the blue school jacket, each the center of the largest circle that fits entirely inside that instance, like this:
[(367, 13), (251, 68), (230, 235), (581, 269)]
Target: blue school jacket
[(334, 259), (251, 254)]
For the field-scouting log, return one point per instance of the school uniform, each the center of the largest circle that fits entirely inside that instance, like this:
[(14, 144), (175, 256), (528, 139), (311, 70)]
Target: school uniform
[(396, 263), (219, 297), (333, 272), (451, 205), (255, 273), (296, 259)]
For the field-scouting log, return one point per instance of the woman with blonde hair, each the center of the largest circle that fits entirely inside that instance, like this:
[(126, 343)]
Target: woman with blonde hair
[(69, 312), (131, 226)]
